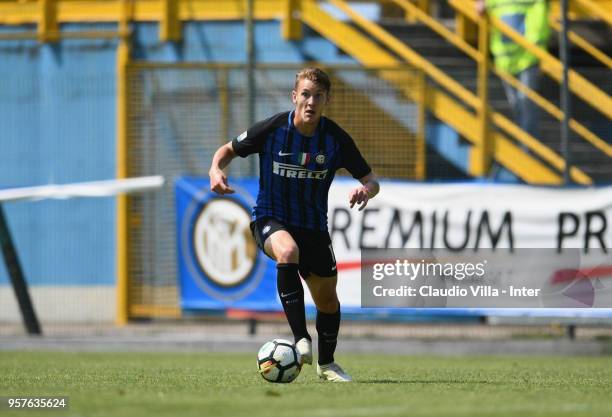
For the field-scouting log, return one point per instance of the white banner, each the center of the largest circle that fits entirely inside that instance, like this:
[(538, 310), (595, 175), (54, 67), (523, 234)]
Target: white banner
[(461, 217)]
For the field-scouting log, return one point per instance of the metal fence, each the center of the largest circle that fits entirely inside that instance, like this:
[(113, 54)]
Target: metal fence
[(179, 114)]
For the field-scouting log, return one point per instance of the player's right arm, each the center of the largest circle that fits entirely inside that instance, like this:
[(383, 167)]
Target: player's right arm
[(248, 142), (221, 159)]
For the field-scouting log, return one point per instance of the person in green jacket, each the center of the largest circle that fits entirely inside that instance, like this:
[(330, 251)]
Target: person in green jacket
[(530, 19)]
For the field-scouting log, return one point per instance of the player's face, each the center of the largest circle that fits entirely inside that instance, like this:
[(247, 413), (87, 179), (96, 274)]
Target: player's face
[(310, 100)]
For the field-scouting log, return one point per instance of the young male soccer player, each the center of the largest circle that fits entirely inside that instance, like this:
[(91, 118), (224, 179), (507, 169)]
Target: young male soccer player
[(299, 153)]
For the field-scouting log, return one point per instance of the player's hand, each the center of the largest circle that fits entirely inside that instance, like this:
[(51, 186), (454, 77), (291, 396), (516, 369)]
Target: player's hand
[(218, 183), (359, 196)]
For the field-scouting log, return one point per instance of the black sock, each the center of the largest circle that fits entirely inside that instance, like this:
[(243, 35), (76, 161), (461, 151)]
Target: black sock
[(327, 327), (291, 294)]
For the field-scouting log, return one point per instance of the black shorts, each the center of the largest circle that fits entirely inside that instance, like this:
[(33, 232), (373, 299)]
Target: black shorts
[(316, 253)]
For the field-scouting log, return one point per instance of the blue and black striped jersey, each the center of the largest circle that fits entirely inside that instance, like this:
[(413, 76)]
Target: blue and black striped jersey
[(296, 171)]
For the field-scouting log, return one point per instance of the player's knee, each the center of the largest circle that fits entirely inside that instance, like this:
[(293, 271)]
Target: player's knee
[(288, 254), (328, 303)]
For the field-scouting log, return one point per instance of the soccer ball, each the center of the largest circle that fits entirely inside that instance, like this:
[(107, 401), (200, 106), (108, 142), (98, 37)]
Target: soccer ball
[(279, 361)]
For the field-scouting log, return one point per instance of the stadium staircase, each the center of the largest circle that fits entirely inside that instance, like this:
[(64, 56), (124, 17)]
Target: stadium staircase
[(451, 65)]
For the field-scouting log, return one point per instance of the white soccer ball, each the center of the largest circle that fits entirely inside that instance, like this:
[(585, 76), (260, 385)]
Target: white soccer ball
[(279, 361)]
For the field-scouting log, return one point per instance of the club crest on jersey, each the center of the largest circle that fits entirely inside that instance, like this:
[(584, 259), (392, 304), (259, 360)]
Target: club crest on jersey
[(304, 158)]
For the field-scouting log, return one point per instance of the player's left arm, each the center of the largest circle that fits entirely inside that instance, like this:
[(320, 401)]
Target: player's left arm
[(368, 189), (354, 162)]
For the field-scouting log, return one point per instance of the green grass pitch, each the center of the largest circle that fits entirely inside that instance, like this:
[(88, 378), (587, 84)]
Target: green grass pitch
[(175, 384)]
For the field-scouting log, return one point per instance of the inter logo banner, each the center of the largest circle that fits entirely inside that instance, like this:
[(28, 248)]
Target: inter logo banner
[(218, 261)]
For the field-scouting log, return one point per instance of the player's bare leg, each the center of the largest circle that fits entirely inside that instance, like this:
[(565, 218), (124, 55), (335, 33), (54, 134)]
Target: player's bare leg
[(323, 291), (281, 246)]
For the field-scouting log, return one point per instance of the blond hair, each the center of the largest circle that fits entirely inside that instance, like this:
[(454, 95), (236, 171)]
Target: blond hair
[(316, 75)]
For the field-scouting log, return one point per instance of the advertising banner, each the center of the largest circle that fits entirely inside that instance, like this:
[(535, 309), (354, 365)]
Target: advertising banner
[(562, 236), (556, 241)]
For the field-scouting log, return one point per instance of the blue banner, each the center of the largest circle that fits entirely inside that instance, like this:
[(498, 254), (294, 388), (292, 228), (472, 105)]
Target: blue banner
[(219, 264)]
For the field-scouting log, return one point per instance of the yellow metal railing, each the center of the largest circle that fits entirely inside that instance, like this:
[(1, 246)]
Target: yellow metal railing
[(584, 89), (408, 54), (478, 54), (291, 26), (169, 12), (480, 156), (594, 9), (444, 107), (591, 10), (485, 143), (122, 267), (582, 43), (590, 93), (419, 15), (556, 112)]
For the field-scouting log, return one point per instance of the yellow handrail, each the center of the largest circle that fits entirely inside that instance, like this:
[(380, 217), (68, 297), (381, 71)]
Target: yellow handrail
[(595, 10), (506, 151), (122, 208), (542, 102), (556, 112), (538, 147), (583, 43), (409, 55), (578, 84), (47, 23), (467, 96), (438, 102), (17, 12), (468, 49), (480, 156), (59, 34), (169, 23), (399, 47), (439, 28), (348, 38)]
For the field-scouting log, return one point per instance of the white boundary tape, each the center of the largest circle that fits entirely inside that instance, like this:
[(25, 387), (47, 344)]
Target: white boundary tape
[(82, 189)]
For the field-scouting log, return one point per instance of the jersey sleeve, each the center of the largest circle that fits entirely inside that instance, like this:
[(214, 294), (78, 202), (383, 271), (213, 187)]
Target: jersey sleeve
[(252, 140), (351, 158)]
